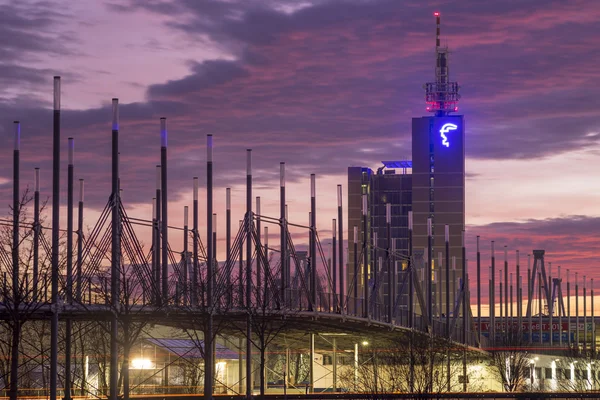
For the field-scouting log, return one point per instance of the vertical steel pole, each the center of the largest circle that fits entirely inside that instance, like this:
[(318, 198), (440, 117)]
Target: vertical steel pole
[(283, 236), (569, 341), (229, 262), (70, 168), (115, 256), (341, 247), (36, 233), (540, 284), (465, 298), (184, 278), (195, 235), (529, 298), (576, 310), (390, 272), (506, 284), (55, 239), (16, 295), (584, 316), (427, 275), (311, 364), (249, 273), (157, 233), (519, 300), (164, 209), (80, 243), (365, 257), (592, 316), (447, 240), (334, 359), (355, 270), (493, 298), (560, 310), (465, 290), (411, 266), (479, 293), (551, 303), (208, 334), (313, 250), (258, 251), (68, 323), (411, 303), (334, 261)]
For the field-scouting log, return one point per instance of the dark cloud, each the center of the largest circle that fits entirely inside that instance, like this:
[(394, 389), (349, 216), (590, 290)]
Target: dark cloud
[(329, 85)]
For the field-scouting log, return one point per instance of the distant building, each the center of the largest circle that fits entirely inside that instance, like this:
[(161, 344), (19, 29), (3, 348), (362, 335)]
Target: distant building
[(391, 184)]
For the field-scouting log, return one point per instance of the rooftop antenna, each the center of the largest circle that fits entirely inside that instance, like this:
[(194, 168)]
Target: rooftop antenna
[(442, 95)]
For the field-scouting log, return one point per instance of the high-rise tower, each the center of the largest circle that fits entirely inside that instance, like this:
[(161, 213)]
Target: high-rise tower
[(438, 152)]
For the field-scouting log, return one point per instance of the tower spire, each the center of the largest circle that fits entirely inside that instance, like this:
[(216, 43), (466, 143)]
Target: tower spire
[(442, 95)]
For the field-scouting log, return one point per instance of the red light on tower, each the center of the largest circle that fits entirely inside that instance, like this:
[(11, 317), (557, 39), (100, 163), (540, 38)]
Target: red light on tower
[(436, 14)]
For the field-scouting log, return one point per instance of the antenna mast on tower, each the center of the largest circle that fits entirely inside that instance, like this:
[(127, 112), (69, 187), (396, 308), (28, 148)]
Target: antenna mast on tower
[(442, 95)]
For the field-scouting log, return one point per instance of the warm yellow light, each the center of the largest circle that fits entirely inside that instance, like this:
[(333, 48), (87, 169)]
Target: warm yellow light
[(365, 343), (141, 363)]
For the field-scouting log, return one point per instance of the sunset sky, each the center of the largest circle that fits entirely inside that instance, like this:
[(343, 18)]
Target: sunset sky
[(321, 85)]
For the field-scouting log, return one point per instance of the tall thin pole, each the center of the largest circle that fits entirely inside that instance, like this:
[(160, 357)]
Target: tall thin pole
[(68, 323), (313, 249), (390, 272), (592, 316), (116, 253), (157, 233), (584, 315), (195, 235), (569, 341), (341, 246), (411, 312), (427, 274), (560, 310), (229, 262), (16, 295), (365, 257), (36, 233), (334, 262), (577, 310), (355, 270), (506, 284), (529, 298), (540, 284), (478, 293), (248, 273), (208, 336), (164, 209), (80, 243), (55, 239), (519, 299), (492, 298), (411, 266), (184, 278), (258, 251), (70, 170), (283, 236), (447, 239)]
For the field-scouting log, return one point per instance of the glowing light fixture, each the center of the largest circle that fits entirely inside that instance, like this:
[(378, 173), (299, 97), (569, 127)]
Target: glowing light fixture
[(365, 343), (141, 363)]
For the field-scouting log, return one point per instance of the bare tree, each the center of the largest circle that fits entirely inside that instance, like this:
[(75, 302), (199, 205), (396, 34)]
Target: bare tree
[(510, 361)]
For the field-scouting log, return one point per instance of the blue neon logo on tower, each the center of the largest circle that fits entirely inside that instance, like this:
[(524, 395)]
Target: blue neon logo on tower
[(445, 129)]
